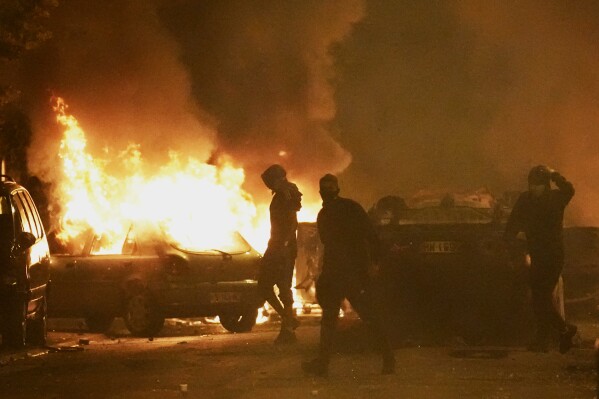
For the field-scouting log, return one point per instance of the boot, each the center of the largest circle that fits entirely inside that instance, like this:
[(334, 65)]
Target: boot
[(286, 337), (565, 338)]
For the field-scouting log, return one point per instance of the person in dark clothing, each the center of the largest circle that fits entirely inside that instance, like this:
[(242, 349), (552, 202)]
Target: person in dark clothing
[(279, 259), (351, 248), (539, 213)]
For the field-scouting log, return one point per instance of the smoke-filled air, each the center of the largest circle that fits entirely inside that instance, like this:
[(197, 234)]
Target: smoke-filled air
[(394, 96)]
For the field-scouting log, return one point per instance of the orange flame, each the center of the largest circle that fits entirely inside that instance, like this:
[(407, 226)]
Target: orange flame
[(191, 200)]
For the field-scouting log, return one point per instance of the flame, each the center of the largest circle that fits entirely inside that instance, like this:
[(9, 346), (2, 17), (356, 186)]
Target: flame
[(191, 200), (188, 198)]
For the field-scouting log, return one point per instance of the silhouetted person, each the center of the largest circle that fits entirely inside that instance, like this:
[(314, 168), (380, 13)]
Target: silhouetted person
[(350, 249), (539, 213), (279, 258)]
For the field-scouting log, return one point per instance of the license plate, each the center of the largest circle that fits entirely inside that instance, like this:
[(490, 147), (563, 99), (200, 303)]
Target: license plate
[(225, 297), (439, 247)]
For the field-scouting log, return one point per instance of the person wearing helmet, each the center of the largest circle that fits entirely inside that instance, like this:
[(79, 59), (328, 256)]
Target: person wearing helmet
[(279, 258), (539, 213), (350, 249)]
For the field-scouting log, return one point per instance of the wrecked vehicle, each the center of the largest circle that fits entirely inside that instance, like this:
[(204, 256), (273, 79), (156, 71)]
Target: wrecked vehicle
[(451, 272), (24, 268), (152, 276), (445, 270)]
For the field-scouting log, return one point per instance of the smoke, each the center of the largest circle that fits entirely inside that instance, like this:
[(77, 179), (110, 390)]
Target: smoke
[(459, 95), (265, 70), (442, 95), (549, 110), (249, 81), (119, 71)]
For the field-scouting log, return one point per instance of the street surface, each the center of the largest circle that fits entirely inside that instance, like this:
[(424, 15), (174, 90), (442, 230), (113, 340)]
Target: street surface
[(201, 360)]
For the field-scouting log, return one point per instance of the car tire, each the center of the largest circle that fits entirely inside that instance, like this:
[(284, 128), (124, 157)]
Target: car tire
[(37, 328), (239, 322), (98, 323), (15, 330), (142, 316)]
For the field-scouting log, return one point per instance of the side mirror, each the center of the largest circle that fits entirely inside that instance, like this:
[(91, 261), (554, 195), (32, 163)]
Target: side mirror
[(25, 240)]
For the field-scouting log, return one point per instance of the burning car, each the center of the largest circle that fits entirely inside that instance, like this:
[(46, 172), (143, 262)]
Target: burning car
[(150, 275)]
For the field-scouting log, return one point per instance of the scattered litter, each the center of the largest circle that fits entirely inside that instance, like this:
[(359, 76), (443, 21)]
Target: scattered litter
[(83, 341), (151, 339), (183, 387), (72, 348), (182, 343), (314, 392)]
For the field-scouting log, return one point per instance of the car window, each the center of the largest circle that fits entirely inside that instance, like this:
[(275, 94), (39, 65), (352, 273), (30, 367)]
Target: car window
[(107, 244), (443, 215), (6, 226), (29, 211), (22, 213), (34, 213), (130, 244), (229, 242)]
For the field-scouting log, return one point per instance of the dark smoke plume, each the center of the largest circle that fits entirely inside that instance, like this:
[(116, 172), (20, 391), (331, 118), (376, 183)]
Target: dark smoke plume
[(465, 94), (258, 72)]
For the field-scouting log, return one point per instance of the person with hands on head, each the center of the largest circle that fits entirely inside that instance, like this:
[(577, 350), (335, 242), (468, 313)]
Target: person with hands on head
[(539, 213)]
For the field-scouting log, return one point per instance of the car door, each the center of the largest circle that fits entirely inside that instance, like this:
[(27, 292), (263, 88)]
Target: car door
[(37, 264)]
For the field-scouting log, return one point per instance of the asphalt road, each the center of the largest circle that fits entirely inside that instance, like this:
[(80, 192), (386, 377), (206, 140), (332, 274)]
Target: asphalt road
[(200, 360)]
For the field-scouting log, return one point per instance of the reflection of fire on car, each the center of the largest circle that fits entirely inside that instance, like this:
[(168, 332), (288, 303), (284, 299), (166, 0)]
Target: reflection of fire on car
[(152, 277), (24, 267), (445, 269)]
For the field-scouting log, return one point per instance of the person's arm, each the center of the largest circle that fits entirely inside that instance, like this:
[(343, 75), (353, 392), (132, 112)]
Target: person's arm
[(566, 189), (515, 223), (367, 229)]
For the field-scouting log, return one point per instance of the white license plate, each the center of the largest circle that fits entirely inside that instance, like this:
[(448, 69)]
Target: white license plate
[(439, 247), (225, 297)]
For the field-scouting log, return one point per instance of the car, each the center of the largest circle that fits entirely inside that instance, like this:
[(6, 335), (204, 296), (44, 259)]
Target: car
[(445, 270), (153, 276), (24, 268)]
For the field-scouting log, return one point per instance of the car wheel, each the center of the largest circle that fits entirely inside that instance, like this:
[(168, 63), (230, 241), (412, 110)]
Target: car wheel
[(37, 331), (142, 317), (15, 330), (98, 323), (239, 322)]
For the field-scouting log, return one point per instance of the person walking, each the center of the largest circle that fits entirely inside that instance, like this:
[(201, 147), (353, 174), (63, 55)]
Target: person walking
[(350, 249)]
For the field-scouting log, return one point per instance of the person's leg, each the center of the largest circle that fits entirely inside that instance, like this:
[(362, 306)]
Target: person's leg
[(267, 277), (284, 284), (363, 303), (329, 298)]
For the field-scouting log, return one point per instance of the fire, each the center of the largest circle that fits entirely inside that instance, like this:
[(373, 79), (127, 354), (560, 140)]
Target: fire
[(184, 196)]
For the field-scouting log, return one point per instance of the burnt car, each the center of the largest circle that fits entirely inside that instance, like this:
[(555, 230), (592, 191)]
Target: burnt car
[(24, 268), (153, 276), (445, 270)]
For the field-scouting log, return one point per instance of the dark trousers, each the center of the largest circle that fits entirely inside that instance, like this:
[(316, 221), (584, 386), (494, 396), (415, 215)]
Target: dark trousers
[(277, 269), (542, 284), (330, 292)]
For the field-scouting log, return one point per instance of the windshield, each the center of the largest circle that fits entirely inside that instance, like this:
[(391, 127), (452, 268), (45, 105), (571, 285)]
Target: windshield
[(198, 241)]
